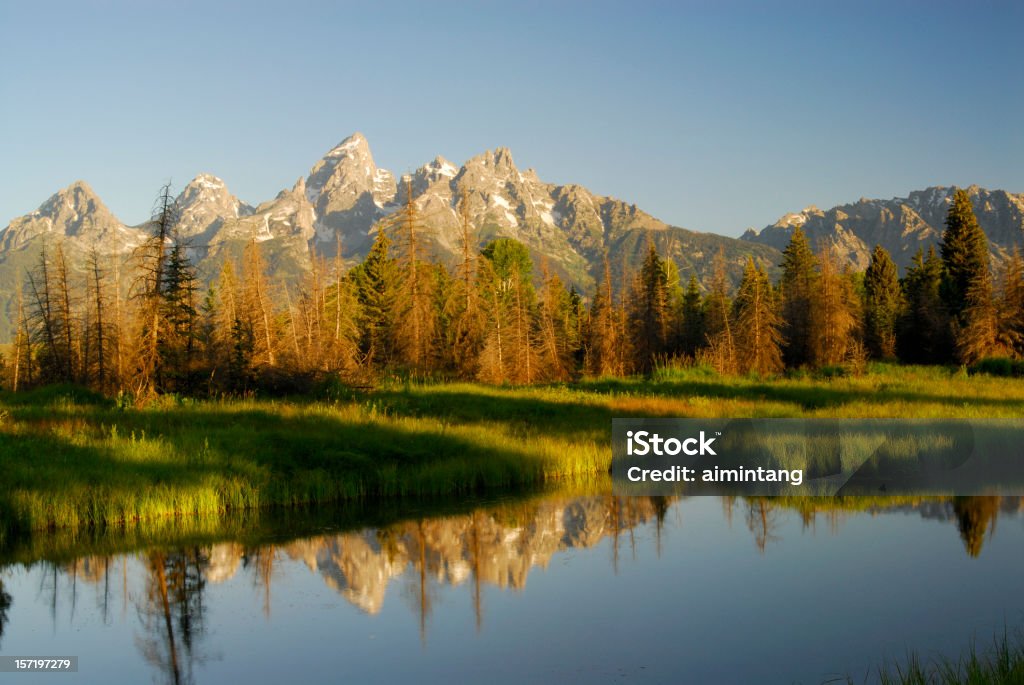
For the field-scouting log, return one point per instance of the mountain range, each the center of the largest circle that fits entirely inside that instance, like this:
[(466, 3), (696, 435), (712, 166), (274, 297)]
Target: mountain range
[(901, 225), (346, 195)]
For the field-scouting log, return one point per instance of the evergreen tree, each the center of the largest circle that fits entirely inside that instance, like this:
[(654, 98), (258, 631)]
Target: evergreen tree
[(692, 318), (415, 326), (605, 345), (47, 326), (256, 311), (152, 256), (649, 312), (883, 302), (464, 308), (833, 313), (720, 342), (226, 315), (555, 328), (983, 335), (924, 327), (177, 345), (99, 331), (376, 280), (964, 258), (22, 363), (342, 304), (758, 336), (509, 352), (1012, 303), (798, 287)]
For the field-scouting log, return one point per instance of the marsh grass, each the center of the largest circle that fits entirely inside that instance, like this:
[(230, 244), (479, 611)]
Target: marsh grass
[(70, 459), (1001, 663)]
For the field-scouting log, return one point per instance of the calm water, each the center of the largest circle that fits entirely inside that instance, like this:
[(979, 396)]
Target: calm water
[(547, 590)]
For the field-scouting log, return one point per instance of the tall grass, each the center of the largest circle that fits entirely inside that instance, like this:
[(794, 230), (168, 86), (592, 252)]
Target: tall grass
[(72, 459), (1000, 664)]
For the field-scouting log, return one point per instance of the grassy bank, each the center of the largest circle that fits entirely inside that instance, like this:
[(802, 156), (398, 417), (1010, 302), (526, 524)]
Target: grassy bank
[(1001, 663), (69, 459)]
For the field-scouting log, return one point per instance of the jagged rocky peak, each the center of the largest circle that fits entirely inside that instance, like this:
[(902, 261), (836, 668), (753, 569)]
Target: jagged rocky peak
[(204, 186), (205, 203), (497, 162), (439, 168), (76, 214), (209, 189), (75, 200), (76, 211), (901, 225), (502, 158), (437, 171), (345, 173), (355, 145)]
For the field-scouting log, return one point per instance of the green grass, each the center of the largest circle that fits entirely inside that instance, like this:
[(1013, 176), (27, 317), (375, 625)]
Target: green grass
[(1000, 664), (70, 459)]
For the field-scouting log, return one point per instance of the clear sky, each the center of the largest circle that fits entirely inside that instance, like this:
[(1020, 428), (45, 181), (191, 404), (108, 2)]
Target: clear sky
[(712, 116)]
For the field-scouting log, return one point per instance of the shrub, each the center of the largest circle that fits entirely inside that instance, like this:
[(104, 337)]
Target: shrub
[(999, 366)]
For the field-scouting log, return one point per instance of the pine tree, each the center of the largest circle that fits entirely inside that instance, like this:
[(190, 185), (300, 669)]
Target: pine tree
[(924, 331), (99, 331), (983, 335), (49, 316), (758, 336), (341, 301), (883, 303), (692, 316), (555, 324), (605, 344), (509, 352), (833, 313), (720, 343), (798, 286), (1012, 303), (464, 308), (415, 325), (376, 280), (649, 312), (22, 362), (177, 345), (152, 256), (964, 257), (255, 313), (206, 337), (226, 313)]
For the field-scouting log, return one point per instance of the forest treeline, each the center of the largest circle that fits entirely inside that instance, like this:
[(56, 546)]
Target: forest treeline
[(146, 325)]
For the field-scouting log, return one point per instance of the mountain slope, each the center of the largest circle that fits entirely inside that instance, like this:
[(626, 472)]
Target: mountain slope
[(901, 225), (346, 195)]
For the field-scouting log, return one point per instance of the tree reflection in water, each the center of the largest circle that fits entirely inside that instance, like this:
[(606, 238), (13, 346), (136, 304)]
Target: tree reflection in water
[(172, 612), (975, 516), (495, 546), (5, 604)]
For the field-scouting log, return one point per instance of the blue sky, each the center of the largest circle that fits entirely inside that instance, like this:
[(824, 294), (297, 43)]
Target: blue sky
[(712, 116)]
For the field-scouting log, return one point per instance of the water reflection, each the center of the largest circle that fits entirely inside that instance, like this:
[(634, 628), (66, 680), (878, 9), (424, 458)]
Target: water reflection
[(414, 560), (975, 516), (5, 604), (171, 612), (497, 547)]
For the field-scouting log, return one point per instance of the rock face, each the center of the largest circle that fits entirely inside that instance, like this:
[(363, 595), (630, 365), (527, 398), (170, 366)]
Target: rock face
[(901, 225), (346, 196), (74, 216), (205, 205)]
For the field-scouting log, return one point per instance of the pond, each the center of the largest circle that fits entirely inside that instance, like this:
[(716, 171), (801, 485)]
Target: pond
[(538, 589)]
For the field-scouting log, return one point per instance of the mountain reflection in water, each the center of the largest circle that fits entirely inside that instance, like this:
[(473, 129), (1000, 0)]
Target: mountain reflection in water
[(498, 546)]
